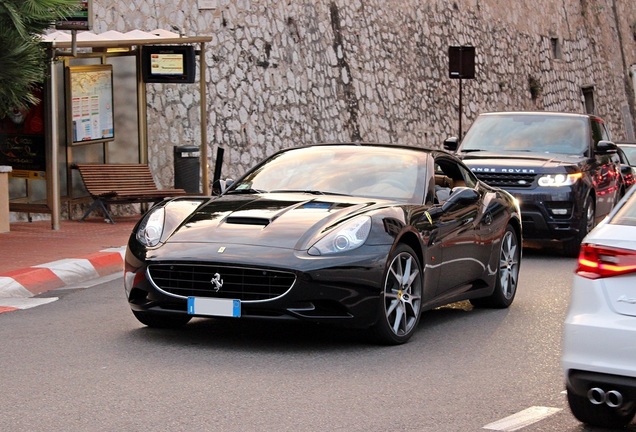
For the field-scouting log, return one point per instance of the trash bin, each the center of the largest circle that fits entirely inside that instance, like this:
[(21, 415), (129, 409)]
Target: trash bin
[(186, 169)]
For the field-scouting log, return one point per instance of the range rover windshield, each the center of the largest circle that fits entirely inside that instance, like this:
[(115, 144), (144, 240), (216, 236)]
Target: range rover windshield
[(528, 133)]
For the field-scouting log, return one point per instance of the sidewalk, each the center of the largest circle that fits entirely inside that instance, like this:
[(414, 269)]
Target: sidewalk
[(36, 259)]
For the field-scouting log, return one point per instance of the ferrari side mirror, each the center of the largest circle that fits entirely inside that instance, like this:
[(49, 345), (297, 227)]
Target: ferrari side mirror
[(460, 196)]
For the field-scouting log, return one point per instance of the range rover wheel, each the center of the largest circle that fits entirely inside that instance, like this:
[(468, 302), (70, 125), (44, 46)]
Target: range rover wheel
[(619, 195), (571, 247), (401, 300), (159, 320), (600, 414)]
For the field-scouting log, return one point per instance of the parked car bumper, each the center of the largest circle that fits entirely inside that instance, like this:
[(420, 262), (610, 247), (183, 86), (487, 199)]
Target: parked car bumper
[(598, 343)]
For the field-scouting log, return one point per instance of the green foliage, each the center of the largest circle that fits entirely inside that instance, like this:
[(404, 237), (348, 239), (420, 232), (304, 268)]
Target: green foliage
[(22, 58)]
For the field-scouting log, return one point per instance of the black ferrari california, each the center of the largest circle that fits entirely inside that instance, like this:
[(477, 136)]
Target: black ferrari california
[(361, 235)]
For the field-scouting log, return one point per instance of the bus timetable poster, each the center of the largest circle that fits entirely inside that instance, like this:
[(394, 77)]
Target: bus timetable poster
[(91, 99)]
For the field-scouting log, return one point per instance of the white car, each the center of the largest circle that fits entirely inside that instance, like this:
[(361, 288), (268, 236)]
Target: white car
[(599, 336)]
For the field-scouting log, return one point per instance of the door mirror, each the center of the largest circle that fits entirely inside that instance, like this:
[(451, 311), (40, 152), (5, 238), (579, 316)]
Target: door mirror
[(605, 147), (460, 197), (451, 144)]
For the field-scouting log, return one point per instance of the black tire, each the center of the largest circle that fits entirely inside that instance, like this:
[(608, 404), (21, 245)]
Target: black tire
[(507, 273), (600, 415), (159, 320), (619, 196), (588, 221), (400, 305)]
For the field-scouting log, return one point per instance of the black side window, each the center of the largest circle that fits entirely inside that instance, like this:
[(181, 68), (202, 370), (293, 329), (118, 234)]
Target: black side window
[(606, 134), (469, 177), (453, 174), (598, 132)]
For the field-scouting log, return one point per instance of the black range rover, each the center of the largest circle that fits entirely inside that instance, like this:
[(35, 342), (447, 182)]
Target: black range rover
[(562, 168)]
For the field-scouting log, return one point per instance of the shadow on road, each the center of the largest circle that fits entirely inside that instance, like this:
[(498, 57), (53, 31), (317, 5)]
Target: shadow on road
[(251, 335)]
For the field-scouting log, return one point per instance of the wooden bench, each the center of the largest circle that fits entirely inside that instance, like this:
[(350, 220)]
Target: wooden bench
[(120, 184)]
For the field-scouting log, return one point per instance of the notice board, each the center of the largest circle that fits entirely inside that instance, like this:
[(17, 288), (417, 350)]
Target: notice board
[(89, 92)]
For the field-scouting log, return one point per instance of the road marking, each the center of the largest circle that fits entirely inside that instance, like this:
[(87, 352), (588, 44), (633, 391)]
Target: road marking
[(522, 419), (11, 304)]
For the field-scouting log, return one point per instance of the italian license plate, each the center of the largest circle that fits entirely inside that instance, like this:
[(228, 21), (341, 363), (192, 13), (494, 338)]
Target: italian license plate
[(214, 307)]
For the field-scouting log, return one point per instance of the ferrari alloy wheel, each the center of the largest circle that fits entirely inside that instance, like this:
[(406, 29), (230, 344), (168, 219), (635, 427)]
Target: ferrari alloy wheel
[(401, 300), (507, 273)]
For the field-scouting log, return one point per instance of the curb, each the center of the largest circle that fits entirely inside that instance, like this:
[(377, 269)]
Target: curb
[(38, 279)]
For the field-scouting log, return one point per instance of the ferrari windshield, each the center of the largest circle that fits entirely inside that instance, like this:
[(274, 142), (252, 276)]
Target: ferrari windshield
[(528, 132), (365, 171)]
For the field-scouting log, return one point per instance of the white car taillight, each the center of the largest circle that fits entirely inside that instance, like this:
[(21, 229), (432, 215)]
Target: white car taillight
[(602, 262)]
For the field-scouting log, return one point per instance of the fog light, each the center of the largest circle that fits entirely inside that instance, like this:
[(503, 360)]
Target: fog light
[(560, 212)]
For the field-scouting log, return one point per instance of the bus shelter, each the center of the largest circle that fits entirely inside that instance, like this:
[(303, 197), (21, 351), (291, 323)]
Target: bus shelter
[(94, 108)]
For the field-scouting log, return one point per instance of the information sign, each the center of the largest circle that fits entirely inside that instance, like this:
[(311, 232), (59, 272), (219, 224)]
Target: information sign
[(90, 97), (81, 19)]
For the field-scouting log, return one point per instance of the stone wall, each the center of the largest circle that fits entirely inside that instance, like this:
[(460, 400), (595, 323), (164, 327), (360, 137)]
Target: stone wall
[(286, 73)]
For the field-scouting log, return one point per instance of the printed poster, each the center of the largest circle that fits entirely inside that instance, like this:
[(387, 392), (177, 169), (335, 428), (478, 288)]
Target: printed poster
[(91, 98)]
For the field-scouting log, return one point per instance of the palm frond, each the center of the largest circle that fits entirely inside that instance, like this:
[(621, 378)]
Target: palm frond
[(22, 56)]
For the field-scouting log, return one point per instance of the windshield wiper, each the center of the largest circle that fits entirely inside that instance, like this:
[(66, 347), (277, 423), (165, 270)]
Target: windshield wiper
[(471, 150), (246, 191), (307, 191)]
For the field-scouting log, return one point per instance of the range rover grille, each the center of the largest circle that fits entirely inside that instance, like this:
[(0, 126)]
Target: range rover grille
[(241, 283), (507, 179)]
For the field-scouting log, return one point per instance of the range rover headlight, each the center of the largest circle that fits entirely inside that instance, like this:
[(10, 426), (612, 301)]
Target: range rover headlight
[(349, 236), (556, 180), (151, 228)]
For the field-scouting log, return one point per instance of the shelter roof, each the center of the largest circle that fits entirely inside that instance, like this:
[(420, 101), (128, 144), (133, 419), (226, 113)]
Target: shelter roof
[(115, 39)]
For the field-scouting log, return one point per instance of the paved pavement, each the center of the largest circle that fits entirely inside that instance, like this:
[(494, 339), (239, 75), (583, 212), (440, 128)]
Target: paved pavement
[(36, 259)]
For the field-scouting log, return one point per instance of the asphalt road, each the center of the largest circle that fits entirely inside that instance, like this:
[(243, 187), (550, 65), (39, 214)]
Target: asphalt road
[(83, 363)]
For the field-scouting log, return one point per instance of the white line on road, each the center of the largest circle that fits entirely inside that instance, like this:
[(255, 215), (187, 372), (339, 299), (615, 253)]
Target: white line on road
[(25, 303), (522, 419)]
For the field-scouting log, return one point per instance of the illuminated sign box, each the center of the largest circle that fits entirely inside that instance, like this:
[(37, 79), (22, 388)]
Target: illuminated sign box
[(168, 64), (80, 19)]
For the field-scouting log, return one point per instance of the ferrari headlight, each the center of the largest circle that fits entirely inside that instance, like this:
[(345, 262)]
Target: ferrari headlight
[(150, 230), (555, 180), (347, 237)]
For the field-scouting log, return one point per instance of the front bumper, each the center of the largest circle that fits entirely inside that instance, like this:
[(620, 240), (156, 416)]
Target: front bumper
[(550, 213), (343, 289)]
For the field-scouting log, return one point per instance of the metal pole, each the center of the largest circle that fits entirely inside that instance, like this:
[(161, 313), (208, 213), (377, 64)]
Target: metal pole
[(142, 113), (460, 110), (205, 169), (52, 174), (74, 43)]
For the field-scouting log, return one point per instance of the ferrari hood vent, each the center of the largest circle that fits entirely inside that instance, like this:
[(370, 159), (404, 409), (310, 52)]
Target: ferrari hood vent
[(247, 220)]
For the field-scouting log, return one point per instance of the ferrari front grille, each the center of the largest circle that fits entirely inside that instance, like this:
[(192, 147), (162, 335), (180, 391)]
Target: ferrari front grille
[(207, 280), (504, 180)]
